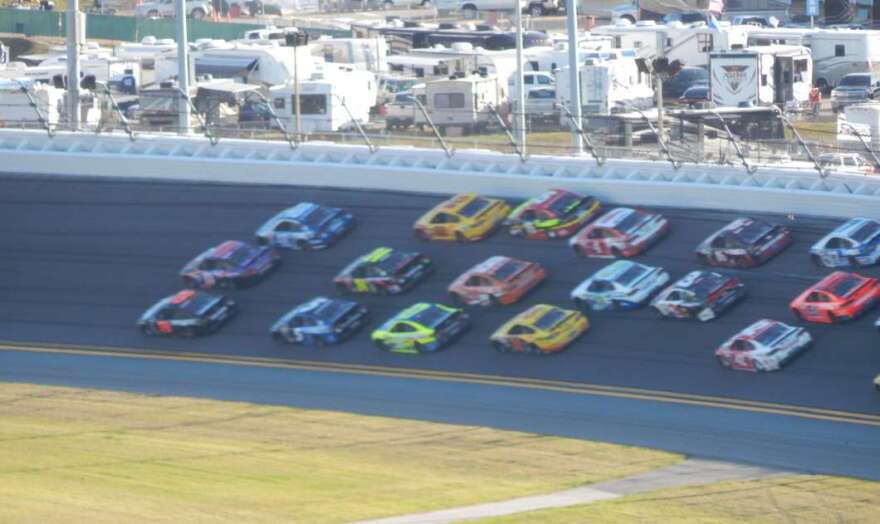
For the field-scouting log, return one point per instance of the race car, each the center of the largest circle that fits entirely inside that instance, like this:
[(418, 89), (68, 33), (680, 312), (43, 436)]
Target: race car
[(838, 297), (306, 226), (541, 329), (743, 243), (554, 214), (621, 232), (230, 264), (187, 313), (700, 294), (854, 243), (463, 218), (319, 322), (384, 271), (766, 345), (421, 328), (496, 280), (620, 285)]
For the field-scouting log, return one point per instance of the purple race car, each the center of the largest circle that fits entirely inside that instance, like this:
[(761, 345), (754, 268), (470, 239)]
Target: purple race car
[(231, 264)]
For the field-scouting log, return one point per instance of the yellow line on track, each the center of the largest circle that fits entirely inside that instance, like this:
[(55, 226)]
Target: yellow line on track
[(471, 378)]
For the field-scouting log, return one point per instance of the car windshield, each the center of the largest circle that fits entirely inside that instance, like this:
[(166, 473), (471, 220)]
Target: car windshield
[(508, 269), (198, 303), (564, 204), (474, 207), (550, 319), (431, 316), (395, 261), (856, 80), (866, 232), (239, 256), (844, 286), (633, 273), (753, 232), (771, 334), (332, 309), (630, 221), (707, 283), (318, 216)]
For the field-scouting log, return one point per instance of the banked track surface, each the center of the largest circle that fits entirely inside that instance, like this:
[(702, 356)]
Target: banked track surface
[(83, 259)]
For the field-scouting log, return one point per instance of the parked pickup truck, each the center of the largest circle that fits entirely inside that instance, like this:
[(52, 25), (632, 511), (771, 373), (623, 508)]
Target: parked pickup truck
[(196, 9)]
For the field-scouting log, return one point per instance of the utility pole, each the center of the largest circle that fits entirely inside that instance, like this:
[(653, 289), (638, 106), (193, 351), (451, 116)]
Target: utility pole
[(73, 70), (658, 93), (296, 102), (574, 72), (519, 121), (182, 67)]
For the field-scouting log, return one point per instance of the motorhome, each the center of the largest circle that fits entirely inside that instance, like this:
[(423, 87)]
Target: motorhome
[(690, 44), (116, 73), (550, 59), (422, 67), (16, 109), (609, 84), (330, 100), (403, 39), (146, 51), (836, 52), (464, 102), (761, 76), (369, 54), (859, 120), (465, 59)]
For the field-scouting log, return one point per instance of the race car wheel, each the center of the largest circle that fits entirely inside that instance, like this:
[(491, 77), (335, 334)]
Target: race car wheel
[(797, 315), (704, 259), (384, 346), (581, 304), (725, 362), (459, 237), (422, 235), (153, 14), (190, 282), (147, 331), (817, 260), (301, 245), (578, 250), (457, 299), (501, 347), (188, 332), (533, 349), (744, 262), (318, 341), (418, 347), (278, 337), (341, 289), (616, 253), (832, 319), (658, 313)]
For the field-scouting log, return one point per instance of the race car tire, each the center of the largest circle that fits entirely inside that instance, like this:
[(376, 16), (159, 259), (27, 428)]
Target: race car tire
[(190, 282), (797, 315), (147, 331), (704, 259), (421, 235), (501, 347), (278, 337), (457, 299), (817, 260), (854, 262), (658, 313), (578, 250), (832, 318), (580, 303), (153, 14), (459, 237), (341, 289), (301, 245), (418, 348), (534, 350), (744, 262), (381, 344), (619, 304), (188, 333), (616, 253), (318, 341), (262, 241), (725, 362)]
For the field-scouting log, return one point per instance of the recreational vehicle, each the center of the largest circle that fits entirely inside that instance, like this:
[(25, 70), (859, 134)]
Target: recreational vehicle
[(690, 44), (146, 50), (369, 54), (761, 76), (422, 67), (836, 52), (609, 85), (16, 109), (330, 100), (860, 119), (403, 39), (251, 64), (464, 102)]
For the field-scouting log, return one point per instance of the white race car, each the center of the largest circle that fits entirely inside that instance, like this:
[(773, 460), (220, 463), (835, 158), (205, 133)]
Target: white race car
[(620, 285), (856, 242), (766, 345)]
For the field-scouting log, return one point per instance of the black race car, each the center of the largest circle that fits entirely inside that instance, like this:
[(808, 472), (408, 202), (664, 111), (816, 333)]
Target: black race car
[(743, 243), (187, 313), (384, 271)]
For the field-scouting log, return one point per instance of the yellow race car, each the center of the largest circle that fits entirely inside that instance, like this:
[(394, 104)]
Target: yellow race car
[(540, 329), (466, 217)]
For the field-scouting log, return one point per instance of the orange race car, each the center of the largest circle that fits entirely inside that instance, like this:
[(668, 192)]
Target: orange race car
[(464, 218), (496, 280), (839, 296)]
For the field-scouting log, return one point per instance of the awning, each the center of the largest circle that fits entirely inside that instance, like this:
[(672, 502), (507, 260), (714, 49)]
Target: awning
[(225, 67)]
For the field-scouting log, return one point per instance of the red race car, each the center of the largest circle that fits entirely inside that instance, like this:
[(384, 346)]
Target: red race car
[(839, 296), (496, 280), (621, 232)]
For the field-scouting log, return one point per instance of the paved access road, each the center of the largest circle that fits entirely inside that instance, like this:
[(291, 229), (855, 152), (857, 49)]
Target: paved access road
[(84, 258)]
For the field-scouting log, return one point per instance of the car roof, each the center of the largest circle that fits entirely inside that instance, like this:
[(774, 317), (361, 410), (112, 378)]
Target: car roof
[(297, 212), (614, 217), (848, 228), (490, 265), (545, 199), (227, 249), (615, 269)]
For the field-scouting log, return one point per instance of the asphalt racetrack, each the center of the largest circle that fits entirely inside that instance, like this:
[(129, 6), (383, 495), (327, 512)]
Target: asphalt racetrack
[(83, 259)]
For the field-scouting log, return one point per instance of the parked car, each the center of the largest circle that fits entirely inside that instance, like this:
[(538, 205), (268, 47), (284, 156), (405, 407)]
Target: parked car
[(854, 88), (195, 9), (688, 77), (694, 95), (846, 163)]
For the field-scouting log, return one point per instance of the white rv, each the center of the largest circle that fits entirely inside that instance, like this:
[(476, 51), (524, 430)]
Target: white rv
[(146, 51), (16, 109), (463, 102), (609, 84), (369, 54), (330, 100), (859, 119), (422, 67), (836, 52), (550, 59), (114, 72), (761, 76), (688, 43), (465, 59)]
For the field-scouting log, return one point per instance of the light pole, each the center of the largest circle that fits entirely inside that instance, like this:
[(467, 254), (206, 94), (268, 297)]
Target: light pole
[(519, 122), (182, 66), (73, 69), (574, 72)]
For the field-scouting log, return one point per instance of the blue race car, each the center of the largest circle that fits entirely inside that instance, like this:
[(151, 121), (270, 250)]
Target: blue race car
[(306, 226), (319, 322), (854, 243), (187, 313), (231, 264), (620, 285)]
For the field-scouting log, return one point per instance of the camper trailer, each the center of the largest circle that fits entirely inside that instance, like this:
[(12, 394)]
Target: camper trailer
[(369, 54), (609, 84), (116, 72), (16, 109), (463, 101), (836, 52), (859, 120), (688, 43), (761, 76), (251, 64), (422, 67), (330, 100), (146, 50)]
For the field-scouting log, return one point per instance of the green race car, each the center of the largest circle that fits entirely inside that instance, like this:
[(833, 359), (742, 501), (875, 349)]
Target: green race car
[(420, 328)]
